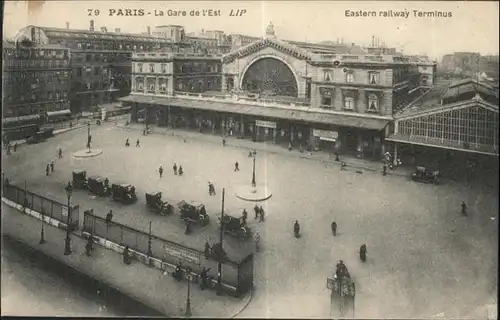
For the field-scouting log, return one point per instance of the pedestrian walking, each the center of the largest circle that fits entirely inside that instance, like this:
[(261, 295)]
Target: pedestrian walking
[(464, 208), (175, 168), (236, 166), (244, 216), (47, 170), (60, 153), (334, 228), (52, 166), (261, 214), (289, 146), (384, 169), (256, 209), (137, 143), (223, 142), (15, 146), (8, 149), (181, 172), (160, 171), (109, 216), (257, 241)]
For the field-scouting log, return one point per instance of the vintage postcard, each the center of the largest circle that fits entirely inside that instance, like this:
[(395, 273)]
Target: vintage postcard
[(250, 159)]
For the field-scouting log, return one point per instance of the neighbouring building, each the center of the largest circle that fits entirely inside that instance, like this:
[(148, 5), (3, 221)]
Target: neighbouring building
[(316, 96), (465, 63), (101, 60), (36, 80), (427, 70), (453, 128)]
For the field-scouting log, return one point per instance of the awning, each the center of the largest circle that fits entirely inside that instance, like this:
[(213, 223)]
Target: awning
[(64, 112), (311, 115), (21, 118)]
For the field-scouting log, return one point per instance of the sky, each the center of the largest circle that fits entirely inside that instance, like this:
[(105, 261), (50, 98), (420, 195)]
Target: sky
[(472, 27)]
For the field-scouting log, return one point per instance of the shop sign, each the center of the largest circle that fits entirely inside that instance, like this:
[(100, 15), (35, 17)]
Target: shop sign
[(265, 124), (179, 253), (326, 135)]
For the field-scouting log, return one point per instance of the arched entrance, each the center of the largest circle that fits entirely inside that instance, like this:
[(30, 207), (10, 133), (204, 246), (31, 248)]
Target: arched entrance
[(270, 76)]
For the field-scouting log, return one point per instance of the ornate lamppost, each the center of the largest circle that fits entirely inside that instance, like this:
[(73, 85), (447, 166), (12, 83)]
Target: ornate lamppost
[(188, 301), (67, 241)]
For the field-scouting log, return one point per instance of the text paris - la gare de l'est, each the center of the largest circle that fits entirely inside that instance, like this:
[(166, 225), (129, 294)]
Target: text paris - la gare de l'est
[(397, 14)]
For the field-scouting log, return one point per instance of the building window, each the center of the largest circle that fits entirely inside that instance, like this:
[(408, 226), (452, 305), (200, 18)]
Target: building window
[(135, 47), (349, 77), (139, 82), (58, 96), (142, 47), (54, 53), (151, 68), (151, 84), (78, 72), (328, 75), (373, 78), (42, 53), (139, 67), (163, 85), (120, 46), (163, 68), (372, 103), (326, 97), (96, 71), (349, 103), (88, 57), (65, 95), (49, 95)]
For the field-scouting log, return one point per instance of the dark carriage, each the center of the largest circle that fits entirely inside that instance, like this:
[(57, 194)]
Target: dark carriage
[(124, 193), (194, 212), (98, 185), (344, 289), (35, 139), (235, 227), (154, 203), (80, 179), (423, 174)]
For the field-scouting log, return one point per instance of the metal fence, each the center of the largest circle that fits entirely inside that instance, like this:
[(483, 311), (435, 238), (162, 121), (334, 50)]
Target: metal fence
[(40, 204), (237, 274)]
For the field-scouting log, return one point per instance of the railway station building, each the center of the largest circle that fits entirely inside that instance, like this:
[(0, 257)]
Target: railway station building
[(452, 128), (336, 98)]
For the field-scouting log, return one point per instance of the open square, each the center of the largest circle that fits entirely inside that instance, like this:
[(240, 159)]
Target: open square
[(424, 258)]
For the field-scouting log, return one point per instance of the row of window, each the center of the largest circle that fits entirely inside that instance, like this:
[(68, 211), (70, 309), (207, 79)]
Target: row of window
[(95, 85), (27, 75), (38, 53), (373, 77), (96, 71), (50, 95), (349, 102), (26, 64)]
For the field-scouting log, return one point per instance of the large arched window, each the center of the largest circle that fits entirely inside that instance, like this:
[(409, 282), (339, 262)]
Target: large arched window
[(270, 76)]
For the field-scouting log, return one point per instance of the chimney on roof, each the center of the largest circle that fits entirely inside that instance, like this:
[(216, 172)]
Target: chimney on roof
[(104, 29), (118, 30), (149, 30), (373, 41), (67, 25), (91, 25)]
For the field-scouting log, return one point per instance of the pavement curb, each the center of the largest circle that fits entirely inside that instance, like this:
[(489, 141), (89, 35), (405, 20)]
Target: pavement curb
[(250, 296)]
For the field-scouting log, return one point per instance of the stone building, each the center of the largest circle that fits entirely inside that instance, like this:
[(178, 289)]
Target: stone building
[(316, 96)]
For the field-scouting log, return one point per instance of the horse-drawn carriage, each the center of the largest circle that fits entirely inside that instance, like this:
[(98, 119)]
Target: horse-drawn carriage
[(98, 185), (80, 179), (123, 192), (343, 287), (154, 203), (193, 212), (423, 174), (235, 227)]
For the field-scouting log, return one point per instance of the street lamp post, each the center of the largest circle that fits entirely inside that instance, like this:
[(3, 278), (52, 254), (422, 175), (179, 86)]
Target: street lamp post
[(88, 135), (67, 241), (150, 252), (188, 301), (42, 233), (253, 172)]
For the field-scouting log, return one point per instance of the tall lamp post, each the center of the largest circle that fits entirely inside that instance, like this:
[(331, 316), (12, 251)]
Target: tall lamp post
[(67, 241), (89, 137), (188, 301), (253, 172)]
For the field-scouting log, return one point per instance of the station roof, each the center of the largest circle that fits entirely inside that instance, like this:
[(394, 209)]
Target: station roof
[(297, 114), (439, 97)]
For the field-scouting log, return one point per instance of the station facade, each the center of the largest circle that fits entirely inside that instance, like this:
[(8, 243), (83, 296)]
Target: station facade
[(334, 98)]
